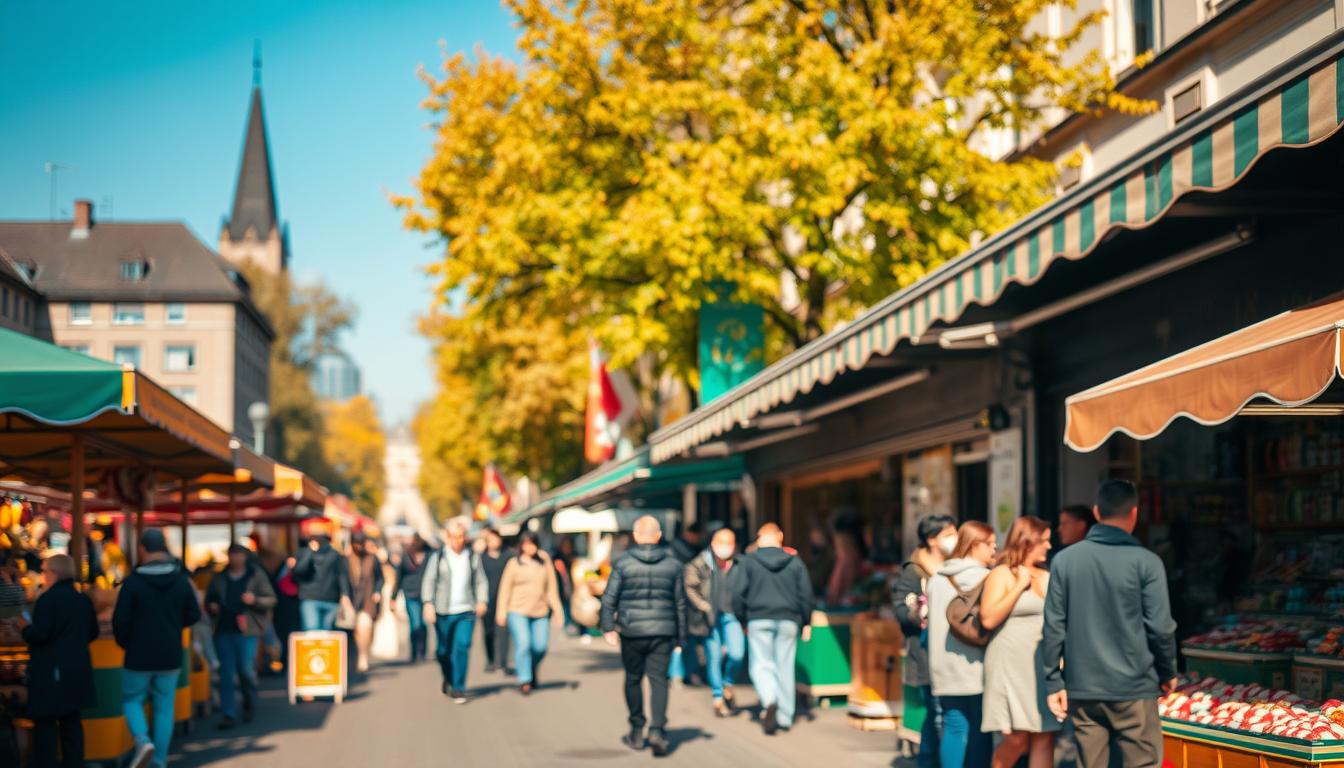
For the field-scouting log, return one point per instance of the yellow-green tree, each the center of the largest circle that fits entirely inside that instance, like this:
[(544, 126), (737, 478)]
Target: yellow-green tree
[(353, 444), (644, 150), (509, 392)]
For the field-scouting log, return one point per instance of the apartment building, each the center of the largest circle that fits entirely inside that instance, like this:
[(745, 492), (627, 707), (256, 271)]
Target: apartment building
[(20, 303), (147, 294)]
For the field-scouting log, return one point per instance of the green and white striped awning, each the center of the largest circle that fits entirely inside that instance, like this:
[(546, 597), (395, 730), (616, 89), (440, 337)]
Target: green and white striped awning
[(1298, 105)]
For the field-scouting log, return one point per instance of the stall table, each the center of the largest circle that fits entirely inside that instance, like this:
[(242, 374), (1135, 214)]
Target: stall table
[(823, 663), (1188, 745)]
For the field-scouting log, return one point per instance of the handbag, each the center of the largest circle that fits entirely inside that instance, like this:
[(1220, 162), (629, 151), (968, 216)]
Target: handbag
[(345, 616), (963, 615)]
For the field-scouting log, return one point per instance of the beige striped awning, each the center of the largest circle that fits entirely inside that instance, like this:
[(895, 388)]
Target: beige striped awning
[(1289, 359), (1298, 106)]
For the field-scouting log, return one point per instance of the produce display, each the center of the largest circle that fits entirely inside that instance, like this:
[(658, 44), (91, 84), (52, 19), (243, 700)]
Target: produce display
[(1254, 709), (1328, 642), (1255, 636)]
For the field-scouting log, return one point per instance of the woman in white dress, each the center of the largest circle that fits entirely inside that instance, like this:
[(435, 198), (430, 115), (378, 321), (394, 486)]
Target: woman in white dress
[(1013, 604)]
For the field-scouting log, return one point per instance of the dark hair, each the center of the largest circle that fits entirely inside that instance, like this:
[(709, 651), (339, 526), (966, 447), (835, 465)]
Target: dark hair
[(1081, 513), (529, 536), (932, 525), (692, 527), (491, 530), (235, 547), (153, 541), (1115, 498)]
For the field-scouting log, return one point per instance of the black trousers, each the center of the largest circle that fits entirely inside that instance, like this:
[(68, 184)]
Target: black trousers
[(64, 730), (646, 657), (495, 639)]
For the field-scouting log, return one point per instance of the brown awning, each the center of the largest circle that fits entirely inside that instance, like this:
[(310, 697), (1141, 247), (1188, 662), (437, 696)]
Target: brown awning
[(1290, 359)]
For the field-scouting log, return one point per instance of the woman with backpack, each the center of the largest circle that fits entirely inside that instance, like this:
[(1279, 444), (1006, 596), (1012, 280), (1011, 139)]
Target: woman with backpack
[(957, 646), (938, 538), (1013, 607)]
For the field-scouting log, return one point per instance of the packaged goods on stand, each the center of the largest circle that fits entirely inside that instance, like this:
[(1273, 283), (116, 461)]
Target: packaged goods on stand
[(1254, 709), (1255, 636)]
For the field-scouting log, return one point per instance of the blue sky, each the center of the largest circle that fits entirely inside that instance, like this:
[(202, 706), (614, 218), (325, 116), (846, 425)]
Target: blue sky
[(147, 102)]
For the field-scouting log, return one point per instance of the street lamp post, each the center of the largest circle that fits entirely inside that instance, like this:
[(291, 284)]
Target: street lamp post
[(259, 413)]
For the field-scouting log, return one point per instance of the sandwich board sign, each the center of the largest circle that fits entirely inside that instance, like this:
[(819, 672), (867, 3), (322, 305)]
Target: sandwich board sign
[(317, 665)]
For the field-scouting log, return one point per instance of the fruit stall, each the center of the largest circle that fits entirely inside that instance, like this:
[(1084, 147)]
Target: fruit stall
[(1237, 449)]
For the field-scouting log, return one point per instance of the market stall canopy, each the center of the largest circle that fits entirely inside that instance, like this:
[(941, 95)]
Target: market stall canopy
[(634, 476), (251, 472), (1290, 359), (1296, 105), (49, 395), (293, 484)]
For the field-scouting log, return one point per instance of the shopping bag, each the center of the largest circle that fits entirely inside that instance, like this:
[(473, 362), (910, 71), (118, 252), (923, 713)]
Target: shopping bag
[(387, 645)]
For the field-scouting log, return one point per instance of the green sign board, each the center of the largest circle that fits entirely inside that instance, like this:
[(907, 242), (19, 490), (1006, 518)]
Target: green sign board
[(732, 345)]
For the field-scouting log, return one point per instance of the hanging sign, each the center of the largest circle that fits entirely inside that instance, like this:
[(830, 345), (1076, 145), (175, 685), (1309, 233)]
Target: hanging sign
[(1005, 480)]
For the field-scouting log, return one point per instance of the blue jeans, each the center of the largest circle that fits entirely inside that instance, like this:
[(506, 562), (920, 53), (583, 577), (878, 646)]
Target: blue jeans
[(161, 689), (237, 663), (963, 745), (317, 614), (774, 649), (452, 640), (684, 663), (415, 616), (724, 650), (928, 735), (530, 637)]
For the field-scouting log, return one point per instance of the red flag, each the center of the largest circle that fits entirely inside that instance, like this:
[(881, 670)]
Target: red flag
[(494, 502), (604, 405)]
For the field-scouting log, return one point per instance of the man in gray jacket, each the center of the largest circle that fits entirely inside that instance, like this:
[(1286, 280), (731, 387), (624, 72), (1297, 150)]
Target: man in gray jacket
[(455, 592), (1108, 617)]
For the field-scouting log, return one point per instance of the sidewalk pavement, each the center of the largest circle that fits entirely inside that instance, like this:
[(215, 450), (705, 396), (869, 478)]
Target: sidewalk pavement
[(396, 716)]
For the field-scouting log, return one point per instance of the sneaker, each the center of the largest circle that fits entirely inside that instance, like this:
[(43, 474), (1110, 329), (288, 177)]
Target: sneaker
[(226, 722), (491, 667), (634, 739), (658, 743), (444, 688), (525, 689), (768, 722), (144, 753), (459, 697), (721, 708)]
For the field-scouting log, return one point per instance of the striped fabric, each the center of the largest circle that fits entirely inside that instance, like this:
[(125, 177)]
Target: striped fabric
[(1299, 112)]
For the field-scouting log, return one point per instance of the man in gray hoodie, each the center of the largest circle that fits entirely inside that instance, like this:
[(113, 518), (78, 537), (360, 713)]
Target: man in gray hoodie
[(1108, 617)]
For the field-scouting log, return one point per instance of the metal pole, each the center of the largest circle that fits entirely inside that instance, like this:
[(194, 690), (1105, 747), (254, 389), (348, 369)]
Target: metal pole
[(182, 506), (77, 504), (233, 517)]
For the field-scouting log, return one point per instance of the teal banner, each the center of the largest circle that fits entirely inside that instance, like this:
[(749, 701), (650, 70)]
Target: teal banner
[(732, 345)]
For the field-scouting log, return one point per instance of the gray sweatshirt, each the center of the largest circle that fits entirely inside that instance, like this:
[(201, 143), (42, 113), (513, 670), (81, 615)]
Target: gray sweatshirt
[(955, 668)]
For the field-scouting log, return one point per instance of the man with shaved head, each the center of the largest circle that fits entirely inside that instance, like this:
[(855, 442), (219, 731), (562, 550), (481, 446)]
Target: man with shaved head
[(772, 596), (645, 605)]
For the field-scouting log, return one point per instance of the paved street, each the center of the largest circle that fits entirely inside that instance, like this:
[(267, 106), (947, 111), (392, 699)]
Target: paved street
[(396, 716)]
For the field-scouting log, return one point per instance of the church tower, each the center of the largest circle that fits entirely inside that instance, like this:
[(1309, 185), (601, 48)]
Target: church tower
[(253, 231)]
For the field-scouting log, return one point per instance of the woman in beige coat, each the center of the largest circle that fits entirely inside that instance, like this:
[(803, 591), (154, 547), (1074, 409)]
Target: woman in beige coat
[(529, 598)]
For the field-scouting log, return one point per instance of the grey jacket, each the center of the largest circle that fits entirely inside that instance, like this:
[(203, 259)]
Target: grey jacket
[(436, 588), (1108, 617), (955, 668)]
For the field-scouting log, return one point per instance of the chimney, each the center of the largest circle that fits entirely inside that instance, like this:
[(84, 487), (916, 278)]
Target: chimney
[(79, 228)]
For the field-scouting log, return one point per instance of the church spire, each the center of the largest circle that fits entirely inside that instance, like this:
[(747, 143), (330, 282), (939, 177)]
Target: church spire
[(254, 205)]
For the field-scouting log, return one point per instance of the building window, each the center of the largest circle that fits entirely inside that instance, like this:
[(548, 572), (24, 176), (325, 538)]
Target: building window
[(4, 301), (1187, 102), (134, 270), (1145, 26), (81, 313), (185, 394), (82, 349), (128, 314), (176, 313), (179, 357), (126, 354), (27, 312)]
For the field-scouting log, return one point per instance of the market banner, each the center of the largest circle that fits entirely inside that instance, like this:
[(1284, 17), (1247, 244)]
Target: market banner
[(495, 501), (732, 344)]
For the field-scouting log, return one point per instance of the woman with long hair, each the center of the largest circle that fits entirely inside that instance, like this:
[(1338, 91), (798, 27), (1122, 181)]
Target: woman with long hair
[(1013, 603), (956, 669), (529, 598)]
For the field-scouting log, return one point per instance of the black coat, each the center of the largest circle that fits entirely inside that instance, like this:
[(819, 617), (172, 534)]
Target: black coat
[(155, 604), (771, 584), (60, 671), (908, 596), (254, 617), (322, 575), (646, 594)]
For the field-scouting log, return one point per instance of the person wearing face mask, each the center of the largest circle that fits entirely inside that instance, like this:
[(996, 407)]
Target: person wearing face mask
[(956, 668), (937, 539), (710, 616), (1013, 603)]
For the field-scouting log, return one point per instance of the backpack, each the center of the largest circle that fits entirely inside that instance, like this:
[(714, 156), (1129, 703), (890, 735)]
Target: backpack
[(963, 615)]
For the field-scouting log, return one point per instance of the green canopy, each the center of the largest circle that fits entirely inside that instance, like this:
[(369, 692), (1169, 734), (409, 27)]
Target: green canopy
[(54, 385), (634, 477)]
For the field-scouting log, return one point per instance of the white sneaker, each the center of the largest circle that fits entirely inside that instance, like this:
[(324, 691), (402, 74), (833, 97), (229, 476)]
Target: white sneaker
[(144, 752)]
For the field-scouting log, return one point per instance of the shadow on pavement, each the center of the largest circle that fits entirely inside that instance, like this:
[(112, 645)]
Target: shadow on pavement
[(679, 736)]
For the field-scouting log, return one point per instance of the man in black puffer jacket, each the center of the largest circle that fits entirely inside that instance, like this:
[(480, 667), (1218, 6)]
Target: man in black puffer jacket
[(645, 602)]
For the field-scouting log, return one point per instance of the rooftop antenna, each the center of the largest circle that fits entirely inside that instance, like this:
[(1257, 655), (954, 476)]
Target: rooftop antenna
[(256, 63), (54, 168)]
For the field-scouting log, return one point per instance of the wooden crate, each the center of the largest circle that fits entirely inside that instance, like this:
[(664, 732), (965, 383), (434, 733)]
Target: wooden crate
[(875, 658), (880, 724)]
